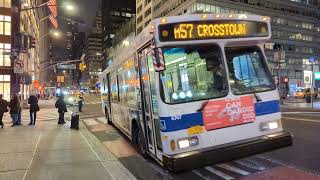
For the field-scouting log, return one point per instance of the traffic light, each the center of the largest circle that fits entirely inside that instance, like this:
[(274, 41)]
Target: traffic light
[(82, 66), (32, 42)]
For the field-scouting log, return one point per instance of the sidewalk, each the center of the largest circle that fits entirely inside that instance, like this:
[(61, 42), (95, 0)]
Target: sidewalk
[(52, 152)]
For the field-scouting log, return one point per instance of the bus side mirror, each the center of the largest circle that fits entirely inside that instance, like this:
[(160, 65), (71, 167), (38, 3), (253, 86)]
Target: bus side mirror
[(158, 60)]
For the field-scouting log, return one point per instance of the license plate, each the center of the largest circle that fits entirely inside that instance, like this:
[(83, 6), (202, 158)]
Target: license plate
[(195, 130)]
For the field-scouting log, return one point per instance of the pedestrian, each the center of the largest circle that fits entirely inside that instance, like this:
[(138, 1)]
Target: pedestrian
[(80, 102), (62, 108), (14, 109), (20, 112), (3, 109), (34, 108)]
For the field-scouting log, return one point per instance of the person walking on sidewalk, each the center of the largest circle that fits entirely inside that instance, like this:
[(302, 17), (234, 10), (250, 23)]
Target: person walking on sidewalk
[(14, 109), (20, 111), (3, 109), (62, 108), (34, 108)]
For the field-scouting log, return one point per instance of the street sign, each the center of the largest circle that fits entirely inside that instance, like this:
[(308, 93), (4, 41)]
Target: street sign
[(18, 66), (66, 66)]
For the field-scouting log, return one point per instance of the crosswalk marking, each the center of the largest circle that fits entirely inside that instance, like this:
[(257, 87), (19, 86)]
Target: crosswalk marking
[(234, 169), (200, 174), (219, 173)]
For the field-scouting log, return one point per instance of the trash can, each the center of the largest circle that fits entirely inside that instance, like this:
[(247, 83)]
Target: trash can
[(75, 121)]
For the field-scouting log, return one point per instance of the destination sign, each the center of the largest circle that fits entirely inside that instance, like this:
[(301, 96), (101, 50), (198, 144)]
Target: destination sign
[(221, 29)]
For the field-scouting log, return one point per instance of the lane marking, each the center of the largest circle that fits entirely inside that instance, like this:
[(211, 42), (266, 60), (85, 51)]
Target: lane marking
[(298, 112), (299, 119), (219, 173), (250, 165), (200, 174), (234, 169), (33, 155)]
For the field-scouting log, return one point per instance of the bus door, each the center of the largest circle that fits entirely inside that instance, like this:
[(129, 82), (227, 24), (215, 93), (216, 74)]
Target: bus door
[(107, 84), (148, 100)]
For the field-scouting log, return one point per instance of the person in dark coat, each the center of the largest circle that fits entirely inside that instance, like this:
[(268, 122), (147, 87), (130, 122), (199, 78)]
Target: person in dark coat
[(62, 108), (3, 109), (14, 106), (34, 108), (80, 102)]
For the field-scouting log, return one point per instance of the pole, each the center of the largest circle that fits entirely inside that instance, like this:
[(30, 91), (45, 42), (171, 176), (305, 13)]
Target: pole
[(312, 89)]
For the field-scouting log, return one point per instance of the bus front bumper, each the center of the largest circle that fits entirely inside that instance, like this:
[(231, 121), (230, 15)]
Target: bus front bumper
[(198, 158)]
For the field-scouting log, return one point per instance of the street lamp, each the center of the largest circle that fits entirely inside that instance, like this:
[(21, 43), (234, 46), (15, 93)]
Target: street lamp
[(69, 7)]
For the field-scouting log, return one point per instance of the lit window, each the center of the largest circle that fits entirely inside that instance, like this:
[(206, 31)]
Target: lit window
[(5, 25)]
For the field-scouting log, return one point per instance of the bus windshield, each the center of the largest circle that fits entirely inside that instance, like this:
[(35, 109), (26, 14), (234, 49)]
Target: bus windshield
[(248, 70), (192, 74)]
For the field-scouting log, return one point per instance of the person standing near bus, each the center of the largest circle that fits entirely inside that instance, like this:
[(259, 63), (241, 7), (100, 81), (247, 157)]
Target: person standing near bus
[(34, 108), (62, 108), (3, 109)]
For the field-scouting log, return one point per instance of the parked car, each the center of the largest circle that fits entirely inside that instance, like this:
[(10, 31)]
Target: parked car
[(315, 92)]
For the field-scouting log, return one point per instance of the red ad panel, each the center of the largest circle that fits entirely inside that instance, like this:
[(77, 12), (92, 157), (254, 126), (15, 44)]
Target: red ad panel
[(229, 112)]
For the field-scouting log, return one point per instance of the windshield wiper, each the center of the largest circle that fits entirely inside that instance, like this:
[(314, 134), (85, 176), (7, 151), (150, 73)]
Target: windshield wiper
[(203, 106)]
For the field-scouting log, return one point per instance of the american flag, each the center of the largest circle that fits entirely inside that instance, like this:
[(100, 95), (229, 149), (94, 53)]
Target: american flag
[(52, 5), (53, 21)]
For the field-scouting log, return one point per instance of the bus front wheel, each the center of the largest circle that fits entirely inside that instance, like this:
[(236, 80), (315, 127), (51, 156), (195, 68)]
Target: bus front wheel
[(139, 141), (107, 116)]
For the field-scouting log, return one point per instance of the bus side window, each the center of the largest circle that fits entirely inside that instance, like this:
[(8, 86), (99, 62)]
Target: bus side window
[(153, 90), (114, 89)]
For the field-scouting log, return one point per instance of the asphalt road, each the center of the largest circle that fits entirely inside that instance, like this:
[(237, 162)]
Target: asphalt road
[(304, 154)]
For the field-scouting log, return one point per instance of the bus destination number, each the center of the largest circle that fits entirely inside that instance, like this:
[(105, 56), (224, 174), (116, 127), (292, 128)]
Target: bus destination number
[(190, 31), (201, 30)]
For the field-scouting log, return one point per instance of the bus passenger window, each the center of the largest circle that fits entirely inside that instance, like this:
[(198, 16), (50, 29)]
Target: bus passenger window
[(114, 89)]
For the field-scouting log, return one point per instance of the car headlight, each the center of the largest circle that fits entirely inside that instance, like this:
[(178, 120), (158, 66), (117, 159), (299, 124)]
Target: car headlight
[(70, 99), (189, 142), (266, 126)]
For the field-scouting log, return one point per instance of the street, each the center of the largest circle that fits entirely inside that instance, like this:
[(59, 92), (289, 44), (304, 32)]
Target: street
[(102, 152)]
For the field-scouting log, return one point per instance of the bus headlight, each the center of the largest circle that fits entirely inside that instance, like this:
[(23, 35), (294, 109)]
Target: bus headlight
[(266, 126), (189, 142)]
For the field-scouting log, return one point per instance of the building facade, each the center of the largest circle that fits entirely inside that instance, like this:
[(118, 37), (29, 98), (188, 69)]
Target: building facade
[(5, 46), (93, 53), (295, 28)]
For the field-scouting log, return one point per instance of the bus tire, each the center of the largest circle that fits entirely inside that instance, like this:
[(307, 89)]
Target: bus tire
[(139, 140), (106, 112)]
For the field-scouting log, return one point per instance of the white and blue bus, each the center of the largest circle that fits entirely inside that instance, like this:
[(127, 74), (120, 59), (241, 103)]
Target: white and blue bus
[(195, 90)]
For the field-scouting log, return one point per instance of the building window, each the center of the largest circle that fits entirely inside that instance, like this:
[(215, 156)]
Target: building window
[(5, 59), (147, 13), (147, 2), (139, 19), (5, 86), (5, 25), (139, 9), (5, 3)]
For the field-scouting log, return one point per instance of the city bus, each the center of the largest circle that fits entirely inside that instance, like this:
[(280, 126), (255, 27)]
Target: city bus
[(194, 90)]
